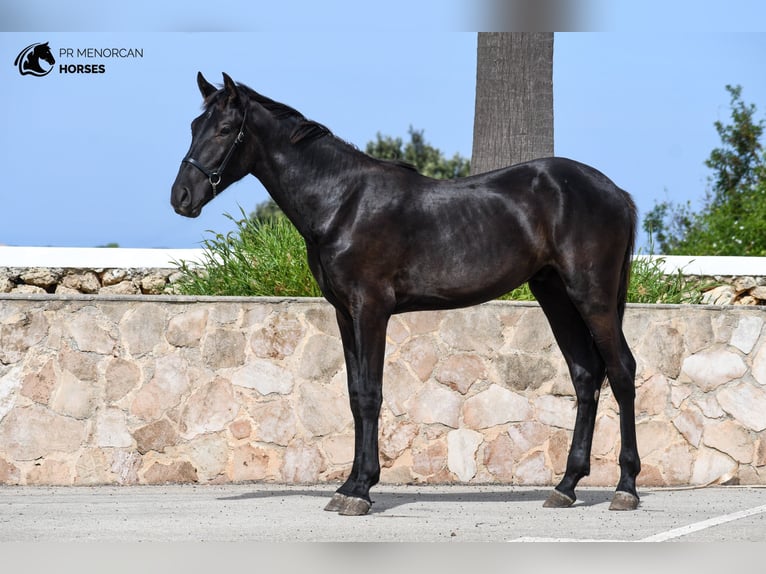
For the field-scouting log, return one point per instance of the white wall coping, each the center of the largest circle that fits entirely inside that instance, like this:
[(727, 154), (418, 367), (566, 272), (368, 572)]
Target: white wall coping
[(96, 257), (710, 265), (125, 258)]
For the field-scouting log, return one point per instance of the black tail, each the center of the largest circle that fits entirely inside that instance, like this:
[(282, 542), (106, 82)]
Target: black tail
[(628, 258)]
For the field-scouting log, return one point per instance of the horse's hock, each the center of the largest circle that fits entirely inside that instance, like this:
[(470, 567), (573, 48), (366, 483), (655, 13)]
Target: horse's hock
[(136, 390)]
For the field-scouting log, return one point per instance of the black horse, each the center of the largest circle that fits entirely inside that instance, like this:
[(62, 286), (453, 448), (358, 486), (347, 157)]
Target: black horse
[(383, 239)]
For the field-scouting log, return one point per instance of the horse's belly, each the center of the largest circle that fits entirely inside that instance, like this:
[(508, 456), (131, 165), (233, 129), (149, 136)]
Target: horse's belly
[(452, 285)]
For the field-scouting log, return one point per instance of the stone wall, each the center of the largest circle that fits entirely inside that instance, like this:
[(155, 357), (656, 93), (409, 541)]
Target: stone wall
[(143, 390), (77, 280), (734, 290)]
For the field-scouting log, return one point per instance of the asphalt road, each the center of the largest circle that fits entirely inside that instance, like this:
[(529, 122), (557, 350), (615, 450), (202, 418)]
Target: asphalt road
[(278, 513)]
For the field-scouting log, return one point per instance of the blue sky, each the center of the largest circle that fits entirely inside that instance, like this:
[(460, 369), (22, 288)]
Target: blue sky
[(89, 159)]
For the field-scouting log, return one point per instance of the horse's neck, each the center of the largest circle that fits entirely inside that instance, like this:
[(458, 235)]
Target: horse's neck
[(33, 63), (309, 183)]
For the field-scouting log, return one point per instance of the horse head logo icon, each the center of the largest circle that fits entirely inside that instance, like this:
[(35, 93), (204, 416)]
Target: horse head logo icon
[(29, 60)]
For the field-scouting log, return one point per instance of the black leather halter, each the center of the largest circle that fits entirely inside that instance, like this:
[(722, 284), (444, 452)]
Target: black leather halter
[(214, 176)]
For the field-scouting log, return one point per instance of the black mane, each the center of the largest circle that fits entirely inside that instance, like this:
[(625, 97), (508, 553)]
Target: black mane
[(304, 131)]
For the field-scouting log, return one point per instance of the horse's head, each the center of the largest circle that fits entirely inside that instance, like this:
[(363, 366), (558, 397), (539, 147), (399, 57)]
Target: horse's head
[(215, 159), (43, 52)]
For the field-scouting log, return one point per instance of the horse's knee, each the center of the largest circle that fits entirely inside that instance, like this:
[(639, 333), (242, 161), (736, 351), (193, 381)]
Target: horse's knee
[(587, 383), (369, 402)]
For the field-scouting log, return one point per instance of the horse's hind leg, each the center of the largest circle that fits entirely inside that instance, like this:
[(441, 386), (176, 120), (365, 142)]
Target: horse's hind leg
[(605, 324), (586, 367), (623, 387)]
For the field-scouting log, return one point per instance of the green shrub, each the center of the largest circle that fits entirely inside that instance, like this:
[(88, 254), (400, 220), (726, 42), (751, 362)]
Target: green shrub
[(522, 293), (259, 258), (649, 284)]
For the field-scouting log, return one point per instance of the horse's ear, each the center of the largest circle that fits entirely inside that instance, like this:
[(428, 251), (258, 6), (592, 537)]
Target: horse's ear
[(205, 87), (231, 88)]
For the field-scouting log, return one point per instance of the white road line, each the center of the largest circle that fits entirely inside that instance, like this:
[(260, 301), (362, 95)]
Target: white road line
[(662, 536), (544, 539), (697, 526)]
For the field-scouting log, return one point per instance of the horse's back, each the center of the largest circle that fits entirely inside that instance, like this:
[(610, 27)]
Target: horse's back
[(575, 201), (575, 181)]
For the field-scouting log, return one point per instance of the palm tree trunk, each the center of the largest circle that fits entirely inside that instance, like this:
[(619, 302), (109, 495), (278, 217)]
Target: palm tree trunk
[(513, 119)]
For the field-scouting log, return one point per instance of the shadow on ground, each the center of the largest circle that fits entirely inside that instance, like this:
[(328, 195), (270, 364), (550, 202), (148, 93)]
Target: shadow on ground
[(386, 500)]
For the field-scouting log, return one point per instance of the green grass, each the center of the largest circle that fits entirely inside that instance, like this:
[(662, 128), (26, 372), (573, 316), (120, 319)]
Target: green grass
[(268, 258), (648, 284), (259, 258), (523, 293)]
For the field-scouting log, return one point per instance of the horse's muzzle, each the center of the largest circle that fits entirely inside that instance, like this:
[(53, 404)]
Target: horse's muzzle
[(181, 200)]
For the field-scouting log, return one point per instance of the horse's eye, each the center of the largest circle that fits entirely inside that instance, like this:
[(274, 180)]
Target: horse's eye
[(225, 130)]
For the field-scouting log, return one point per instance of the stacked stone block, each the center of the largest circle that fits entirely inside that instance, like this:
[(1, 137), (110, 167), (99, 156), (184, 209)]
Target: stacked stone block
[(73, 281)]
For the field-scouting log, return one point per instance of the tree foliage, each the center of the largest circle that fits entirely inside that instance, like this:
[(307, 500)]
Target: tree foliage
[(427, 159), (266, 210), (738, 165), (733, 217)]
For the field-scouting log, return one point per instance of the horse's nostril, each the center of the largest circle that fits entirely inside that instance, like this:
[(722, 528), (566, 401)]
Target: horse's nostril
[(181, 199), (184, 197)]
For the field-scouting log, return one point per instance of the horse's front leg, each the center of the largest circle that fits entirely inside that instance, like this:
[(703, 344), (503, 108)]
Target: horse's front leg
[(364, 343)]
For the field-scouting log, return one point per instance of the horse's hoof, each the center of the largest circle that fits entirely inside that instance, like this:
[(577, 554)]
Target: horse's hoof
[(348, 505), (624, 501), (336, 502), (558, 500), (353, 506)]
